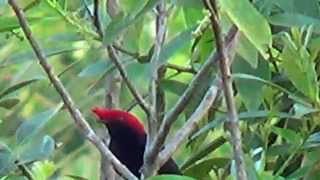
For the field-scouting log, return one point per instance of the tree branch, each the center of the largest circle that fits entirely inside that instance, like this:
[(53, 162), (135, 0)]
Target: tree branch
[(78, 118), (189, 126), (148, 168), (233, 120), (173, 114)]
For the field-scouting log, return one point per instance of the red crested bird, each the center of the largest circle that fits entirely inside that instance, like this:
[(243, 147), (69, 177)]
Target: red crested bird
[(128, 139)]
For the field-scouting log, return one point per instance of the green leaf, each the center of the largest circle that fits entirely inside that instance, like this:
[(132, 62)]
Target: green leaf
[(16, 87), (175, 44), (247, 51), (203, 168), (35, 124), (191, 14), (251, 91), (11, 23), (203, 152), (294, 20), (249, 21), (289, 135), (9, 103), (170, 177), (43, 170), (273, 85), (300, 68)]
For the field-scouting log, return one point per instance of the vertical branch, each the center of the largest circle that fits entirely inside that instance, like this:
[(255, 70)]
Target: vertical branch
[(113, 86), (156, 95), (233, 120), (75, 113), (155, 66)]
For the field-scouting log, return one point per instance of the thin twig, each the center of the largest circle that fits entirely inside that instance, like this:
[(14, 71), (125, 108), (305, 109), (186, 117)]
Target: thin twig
[(114, 58), (233, 120), (76, 115)]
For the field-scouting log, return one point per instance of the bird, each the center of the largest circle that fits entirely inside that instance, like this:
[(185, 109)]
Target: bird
[(128, 139)]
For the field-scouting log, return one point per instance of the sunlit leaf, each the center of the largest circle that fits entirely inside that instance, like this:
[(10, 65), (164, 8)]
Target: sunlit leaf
[(249, 21), (175, 44), (43, 170), (299, 68)]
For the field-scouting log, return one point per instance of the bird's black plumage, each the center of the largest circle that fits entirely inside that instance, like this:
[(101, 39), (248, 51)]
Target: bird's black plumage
[(128, 140)]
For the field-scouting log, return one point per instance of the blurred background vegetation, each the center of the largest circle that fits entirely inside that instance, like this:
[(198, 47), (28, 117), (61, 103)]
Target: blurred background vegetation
[(276, 82)]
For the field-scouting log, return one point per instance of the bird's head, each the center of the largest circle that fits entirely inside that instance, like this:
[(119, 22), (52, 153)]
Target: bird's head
[(118, 121)]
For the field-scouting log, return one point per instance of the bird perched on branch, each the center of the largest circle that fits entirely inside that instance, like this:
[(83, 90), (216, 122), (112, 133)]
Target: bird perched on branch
[(128, 139)]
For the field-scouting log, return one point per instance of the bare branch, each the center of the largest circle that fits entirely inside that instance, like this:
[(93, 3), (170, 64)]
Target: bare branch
[(78, 118), (233, 120), (148, 168), (189, 126)]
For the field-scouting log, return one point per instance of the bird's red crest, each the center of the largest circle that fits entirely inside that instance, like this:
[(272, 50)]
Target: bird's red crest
[(107, 115)]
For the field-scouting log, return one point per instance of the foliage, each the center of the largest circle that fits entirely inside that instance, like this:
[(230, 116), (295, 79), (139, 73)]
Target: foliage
[(275, 72)]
